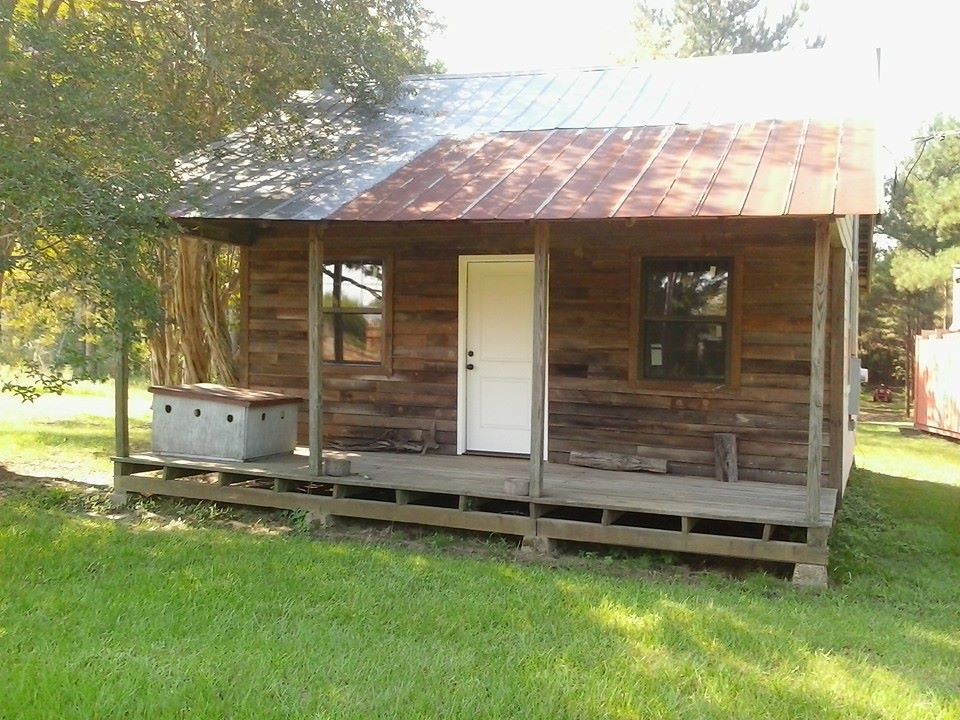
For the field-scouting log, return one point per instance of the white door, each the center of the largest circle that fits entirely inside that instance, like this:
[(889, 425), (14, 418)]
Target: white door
[(498, 350)]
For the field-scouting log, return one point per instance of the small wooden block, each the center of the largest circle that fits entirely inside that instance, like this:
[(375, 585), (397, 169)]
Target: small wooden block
[(132, 468), (516, 486), (227, 478), (405, 497), (725, 460), (172, 473), (687, 524), (336, 466), (767, 532), (282, 485), (610, 516), (817, 536)]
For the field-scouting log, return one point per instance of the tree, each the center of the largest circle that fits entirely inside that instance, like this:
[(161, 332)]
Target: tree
[(97, 101), (924, 210), (890, 319), (911, 288), (713, 27)]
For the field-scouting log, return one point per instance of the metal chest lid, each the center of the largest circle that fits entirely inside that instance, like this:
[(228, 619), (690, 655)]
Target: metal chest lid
[(243, 397)]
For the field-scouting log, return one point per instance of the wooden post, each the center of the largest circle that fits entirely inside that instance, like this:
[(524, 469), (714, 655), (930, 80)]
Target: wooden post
[(315, 350), (725, 457), (839, 365), (120, 396), (818, 337), (538, 396)]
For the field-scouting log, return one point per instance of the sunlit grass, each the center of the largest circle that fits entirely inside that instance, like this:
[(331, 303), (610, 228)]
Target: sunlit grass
[(69, 435), (897, 449), (139, 619), (110, 620)]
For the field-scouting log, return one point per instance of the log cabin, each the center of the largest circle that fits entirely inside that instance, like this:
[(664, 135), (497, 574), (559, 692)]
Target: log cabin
[(609, 305)]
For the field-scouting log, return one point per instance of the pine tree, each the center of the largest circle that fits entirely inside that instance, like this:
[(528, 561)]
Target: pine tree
[(714, 27)]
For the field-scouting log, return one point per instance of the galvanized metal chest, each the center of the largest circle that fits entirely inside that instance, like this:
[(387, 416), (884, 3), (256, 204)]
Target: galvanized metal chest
[(223, 423)]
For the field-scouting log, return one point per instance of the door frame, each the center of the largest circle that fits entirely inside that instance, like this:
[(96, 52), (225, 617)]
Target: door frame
[(464, 261)]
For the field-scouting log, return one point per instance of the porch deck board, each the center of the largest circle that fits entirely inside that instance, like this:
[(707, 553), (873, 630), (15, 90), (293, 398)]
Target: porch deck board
[(564, 485)]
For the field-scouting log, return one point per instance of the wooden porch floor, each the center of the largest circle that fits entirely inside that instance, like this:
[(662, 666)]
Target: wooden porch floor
[(666, 512)]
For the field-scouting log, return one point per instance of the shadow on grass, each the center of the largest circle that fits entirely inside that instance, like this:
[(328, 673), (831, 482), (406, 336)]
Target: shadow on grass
[(85, 434), (197, 620)]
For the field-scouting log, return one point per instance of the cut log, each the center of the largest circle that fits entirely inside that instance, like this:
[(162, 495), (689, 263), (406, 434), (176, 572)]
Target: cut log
[(335, 466), (725, 447), (613, 461)]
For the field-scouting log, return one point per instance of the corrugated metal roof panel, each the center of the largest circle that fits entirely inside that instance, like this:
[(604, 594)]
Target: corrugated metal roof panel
[(857, 171), (347, 152), (815, 183), (769, 193), (568, 199), (625, 173), (684, 198), (728, 192), (663, 172), (763, 169)]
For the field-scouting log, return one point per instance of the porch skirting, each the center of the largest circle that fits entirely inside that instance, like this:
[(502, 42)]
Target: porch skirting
[(755, 520)]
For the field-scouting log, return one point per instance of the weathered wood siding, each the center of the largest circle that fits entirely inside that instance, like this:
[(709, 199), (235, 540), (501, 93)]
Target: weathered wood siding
[(592, 401), (418, 399), (594, 404)]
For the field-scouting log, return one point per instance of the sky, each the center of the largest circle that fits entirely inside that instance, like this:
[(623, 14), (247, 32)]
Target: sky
[(917, 39)]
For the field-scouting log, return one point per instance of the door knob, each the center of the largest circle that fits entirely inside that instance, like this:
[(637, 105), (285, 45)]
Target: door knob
[(469, 366), (469, 353)]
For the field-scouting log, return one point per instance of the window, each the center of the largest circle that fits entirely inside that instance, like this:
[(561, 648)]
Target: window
[(353, 312), (685, 319)]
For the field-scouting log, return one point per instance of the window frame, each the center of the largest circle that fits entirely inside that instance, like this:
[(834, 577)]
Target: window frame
[(638, 317), (385, 366)]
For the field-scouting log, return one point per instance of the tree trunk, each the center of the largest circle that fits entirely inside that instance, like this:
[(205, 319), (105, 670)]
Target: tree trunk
[(6, 249), (200, 306)]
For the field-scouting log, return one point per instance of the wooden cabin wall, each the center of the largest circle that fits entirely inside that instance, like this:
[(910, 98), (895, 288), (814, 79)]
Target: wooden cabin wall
[(592, 402), (417, 400)]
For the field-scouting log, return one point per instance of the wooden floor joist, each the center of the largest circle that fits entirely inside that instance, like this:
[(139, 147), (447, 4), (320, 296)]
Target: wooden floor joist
[(630, 509)]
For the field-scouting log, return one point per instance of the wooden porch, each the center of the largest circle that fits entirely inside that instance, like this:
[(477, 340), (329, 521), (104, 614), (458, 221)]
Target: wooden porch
[(755, 520)]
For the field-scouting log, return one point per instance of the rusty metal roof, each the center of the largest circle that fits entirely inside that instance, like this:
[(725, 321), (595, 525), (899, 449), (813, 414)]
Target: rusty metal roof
[(764, 169), (754, 135)]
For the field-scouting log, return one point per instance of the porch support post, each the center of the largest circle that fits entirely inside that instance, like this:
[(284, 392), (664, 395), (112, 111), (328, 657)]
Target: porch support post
[(818, 337), (120, 397), (538, 397), (315, 350)]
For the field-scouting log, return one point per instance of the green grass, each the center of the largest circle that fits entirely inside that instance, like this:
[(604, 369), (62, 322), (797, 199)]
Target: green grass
[(71, 435), (899, 450), (163, 613)]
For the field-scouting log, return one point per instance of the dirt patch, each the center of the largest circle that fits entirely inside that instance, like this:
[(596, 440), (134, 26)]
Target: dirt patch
[(12, 482)]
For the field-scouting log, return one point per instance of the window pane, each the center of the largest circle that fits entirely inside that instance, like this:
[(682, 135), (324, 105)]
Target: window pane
[(684, 350), (353, 338), (353, 285), (686, 288)]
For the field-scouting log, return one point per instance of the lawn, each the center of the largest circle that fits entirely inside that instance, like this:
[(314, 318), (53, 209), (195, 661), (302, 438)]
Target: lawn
[(169, 611), (70, 435)]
